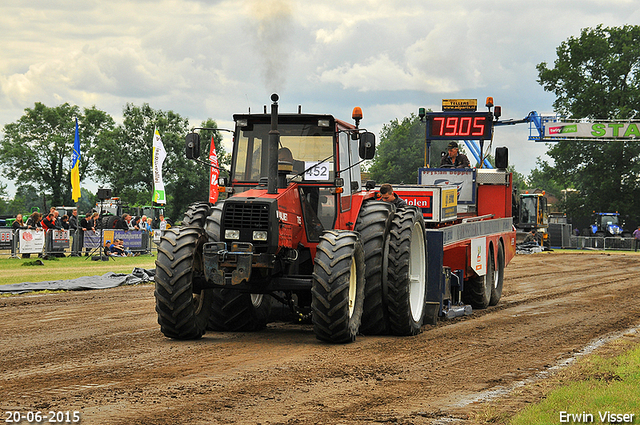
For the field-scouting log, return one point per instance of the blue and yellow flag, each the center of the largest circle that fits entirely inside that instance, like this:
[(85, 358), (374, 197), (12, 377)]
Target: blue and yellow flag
[(75, 167)]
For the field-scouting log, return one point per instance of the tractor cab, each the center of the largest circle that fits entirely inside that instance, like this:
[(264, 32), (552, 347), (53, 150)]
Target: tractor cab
[(607, 224), (318, 158), (533, 211), (307, 155)]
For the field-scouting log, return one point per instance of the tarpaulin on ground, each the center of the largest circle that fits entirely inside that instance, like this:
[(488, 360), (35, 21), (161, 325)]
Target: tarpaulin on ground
[(107, 280), (531, 247)]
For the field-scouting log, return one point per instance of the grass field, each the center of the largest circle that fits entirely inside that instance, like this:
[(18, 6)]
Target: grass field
[(591, 391), (17, 270)]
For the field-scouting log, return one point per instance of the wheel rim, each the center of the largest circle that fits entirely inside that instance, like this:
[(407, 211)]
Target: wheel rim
[(496, 273), (417, 273), (353, 285)]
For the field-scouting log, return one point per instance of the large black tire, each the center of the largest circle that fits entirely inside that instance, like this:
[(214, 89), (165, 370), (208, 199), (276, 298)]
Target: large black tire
[(498, 277), (232, 311), (109, 221), (196, 214), (373, 226), (407, 272), (182, 314), (337, 292), (477, 290)]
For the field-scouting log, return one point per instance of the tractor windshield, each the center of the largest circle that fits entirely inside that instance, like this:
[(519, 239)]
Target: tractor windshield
[(310, 145), (609, 220), (528, 211)]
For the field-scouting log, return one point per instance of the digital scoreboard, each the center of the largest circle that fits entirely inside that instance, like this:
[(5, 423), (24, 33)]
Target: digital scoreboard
[(459, 125)]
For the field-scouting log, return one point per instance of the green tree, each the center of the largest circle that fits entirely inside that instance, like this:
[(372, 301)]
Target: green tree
[(597, 76), (401, 151), (87, 201), (123, 159), (4, 201), (26, 199), (37, 148), (192, 183)]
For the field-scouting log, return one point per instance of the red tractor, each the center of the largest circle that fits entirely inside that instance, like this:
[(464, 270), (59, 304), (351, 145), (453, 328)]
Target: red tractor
[(298, 228)]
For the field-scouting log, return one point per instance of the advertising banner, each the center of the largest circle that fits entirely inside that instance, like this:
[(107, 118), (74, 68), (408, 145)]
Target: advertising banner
[(131, 239), (31, 241), (462, 179), (159, 154), (6, 236), (215, 173), (91, 239), (60, 240), (595, 130)]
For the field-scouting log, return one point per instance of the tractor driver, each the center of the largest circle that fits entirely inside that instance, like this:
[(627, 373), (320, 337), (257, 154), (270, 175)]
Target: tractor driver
[(453, 158), (287, 163)]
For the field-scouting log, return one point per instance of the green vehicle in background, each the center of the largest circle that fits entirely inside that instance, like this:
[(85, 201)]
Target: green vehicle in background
[(8, 221)]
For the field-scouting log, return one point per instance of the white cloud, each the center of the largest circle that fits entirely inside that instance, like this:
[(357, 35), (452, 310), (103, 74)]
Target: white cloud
[(206, 58)]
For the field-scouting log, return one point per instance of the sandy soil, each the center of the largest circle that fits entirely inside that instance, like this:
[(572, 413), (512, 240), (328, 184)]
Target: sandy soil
[(101, 353)]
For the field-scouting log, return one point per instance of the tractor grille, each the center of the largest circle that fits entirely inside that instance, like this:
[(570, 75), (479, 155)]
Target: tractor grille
[(246, 216)]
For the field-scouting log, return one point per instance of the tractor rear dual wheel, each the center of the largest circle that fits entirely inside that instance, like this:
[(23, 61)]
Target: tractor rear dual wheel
[(373, 225), (407, 272), (196, 214), (337, 292)]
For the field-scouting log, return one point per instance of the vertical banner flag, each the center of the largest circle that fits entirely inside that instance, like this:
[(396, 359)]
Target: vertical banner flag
[(215, 173), (159, 154), (75, 167)]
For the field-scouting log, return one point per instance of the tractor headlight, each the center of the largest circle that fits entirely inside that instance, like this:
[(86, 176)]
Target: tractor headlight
[(232, 234), (259, 235)]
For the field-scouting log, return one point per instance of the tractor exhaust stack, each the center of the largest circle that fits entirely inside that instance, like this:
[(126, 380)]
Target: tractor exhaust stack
[(274, 143)]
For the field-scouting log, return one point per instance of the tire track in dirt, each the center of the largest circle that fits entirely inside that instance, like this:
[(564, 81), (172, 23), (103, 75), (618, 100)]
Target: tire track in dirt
[(102, 353)]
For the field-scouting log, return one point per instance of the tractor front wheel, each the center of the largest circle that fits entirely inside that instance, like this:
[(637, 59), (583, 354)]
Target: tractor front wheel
[(337, 292), (182, 312)]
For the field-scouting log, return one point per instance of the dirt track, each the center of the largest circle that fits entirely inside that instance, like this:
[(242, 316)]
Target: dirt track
[(102, 353)]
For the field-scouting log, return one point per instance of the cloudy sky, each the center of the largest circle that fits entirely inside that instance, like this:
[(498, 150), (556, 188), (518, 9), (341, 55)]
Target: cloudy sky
[(211, 59)]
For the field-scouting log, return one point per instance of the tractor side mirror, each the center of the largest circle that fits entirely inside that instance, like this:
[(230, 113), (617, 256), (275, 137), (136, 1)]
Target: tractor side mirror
[(193, 145), (367, 146)]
